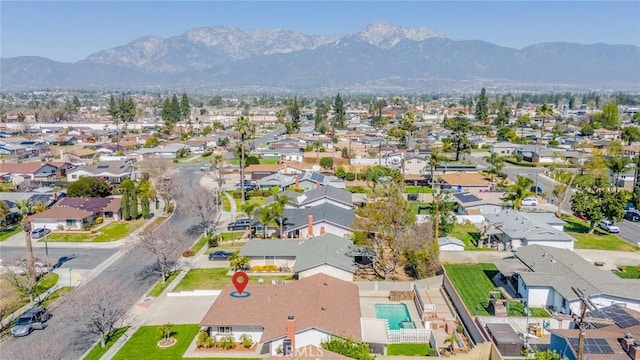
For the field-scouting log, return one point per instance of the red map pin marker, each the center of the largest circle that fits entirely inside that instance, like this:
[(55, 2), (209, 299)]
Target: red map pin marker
[(240, 281)]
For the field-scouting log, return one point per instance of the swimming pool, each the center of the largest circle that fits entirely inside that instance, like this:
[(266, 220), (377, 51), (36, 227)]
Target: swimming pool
[(397, 315)]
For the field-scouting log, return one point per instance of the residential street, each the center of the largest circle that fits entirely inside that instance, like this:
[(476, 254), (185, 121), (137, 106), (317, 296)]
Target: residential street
[(128, 272), (629, 231)]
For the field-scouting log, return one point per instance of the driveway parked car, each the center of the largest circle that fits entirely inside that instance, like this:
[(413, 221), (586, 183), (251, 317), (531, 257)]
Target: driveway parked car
[(241, 224), (220, 255), (581, 216), (529, 201), (609, 226), (39, 233), (632, 216), (31, 320)]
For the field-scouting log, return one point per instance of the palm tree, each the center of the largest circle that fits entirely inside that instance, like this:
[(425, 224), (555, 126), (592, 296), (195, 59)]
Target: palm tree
[(544, 111), (617, 165), (250, 209), (496, 163), (246, 129), (25, 207), (451, 340), (276, 208), (519, 191), (433, 162)]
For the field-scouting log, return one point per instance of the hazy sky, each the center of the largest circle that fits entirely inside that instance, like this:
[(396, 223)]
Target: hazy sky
[(72, 30)]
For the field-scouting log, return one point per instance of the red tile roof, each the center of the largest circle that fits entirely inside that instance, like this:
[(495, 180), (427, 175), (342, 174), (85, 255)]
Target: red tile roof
[(319, 301)]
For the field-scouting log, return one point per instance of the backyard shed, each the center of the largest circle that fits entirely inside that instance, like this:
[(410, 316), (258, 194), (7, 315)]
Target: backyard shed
[(506, 339)]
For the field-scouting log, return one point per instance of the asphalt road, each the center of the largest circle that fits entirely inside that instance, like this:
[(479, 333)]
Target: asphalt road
[(62, 257), (131, 275), (629, 231)]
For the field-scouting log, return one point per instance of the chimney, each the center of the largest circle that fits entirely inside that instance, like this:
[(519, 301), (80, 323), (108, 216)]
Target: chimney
[(291, 334), (297, 182), (310, 225), (322, 230)]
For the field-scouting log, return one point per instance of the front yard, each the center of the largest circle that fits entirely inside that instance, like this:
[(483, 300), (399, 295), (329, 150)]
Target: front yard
[(7, 233), (217, 278), (110, 232), (143, 343), (598, 240)]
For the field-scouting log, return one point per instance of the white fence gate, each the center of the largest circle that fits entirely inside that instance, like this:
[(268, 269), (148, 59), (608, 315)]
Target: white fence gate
[(409, 336)]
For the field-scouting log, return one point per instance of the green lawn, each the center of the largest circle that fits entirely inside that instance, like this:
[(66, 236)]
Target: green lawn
[(226, 205), (230, 247), (473, 283), (45, 283), (418, 190), (217, 278), (56, 295), (199, 244), (268, 161), (629, 272), (113, 336), (110, 232), (410, 350), (598, 240), (254, 199), (469, 234), (143, 344), (232, 235), (159, 287), (415, 205), (7, 233)]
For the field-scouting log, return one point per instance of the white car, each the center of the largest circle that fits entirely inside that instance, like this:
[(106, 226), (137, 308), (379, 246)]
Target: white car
[(530, 201), (609, 226)]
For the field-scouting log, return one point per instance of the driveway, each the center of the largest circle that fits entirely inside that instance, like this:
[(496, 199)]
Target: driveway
[(173, 309)]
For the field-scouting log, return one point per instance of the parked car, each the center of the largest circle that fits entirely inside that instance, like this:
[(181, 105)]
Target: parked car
[(609, 226), (536, 189), (529, 201), (240, 224), (220, 255), (205, 167), (31, 320), (39, 233), (632, 216), (581, 216), (248, 185)]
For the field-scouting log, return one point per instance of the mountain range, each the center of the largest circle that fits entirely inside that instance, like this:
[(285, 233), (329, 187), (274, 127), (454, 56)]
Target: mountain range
[(378, 58)]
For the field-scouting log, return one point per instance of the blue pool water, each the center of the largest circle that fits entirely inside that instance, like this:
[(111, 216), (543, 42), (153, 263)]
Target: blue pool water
[(397, 315)]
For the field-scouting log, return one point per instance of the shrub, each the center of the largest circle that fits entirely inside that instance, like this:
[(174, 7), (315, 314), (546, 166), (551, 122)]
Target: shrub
[(350, 176), (204, 340), (257, 268), (86, 226), (349, 348), (213, 240), (99, 220), (271, 267), (60, 227), (247, 342), (170, 207), (206, 154), (228, 343), (188, 253)]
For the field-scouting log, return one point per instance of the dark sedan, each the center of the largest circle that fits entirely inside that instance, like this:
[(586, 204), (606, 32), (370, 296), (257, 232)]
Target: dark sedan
[(632, 216), (220, 255)]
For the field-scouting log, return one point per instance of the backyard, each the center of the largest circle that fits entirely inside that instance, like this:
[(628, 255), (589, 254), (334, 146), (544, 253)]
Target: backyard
[(628, 272), (410, 350), (110, 232), (598, 240), (469, 234), (7, 233), (473, 283)]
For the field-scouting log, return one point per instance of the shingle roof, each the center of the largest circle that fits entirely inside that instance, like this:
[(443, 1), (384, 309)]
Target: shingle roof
[(105, 168), (297, 218), (62, 213), (327, 249), (562, 269), (518, 225), (319, 301)]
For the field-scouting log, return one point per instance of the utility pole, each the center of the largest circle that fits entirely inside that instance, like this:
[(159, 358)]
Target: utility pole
[(585, 303)]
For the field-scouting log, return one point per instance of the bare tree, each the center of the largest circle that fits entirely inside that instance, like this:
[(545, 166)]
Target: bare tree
[(9, 296), (163, 178), (163, 246), (217, 172), (99, 308), (202, 203)]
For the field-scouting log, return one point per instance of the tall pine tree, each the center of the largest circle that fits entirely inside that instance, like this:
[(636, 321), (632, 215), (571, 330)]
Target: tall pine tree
[(125, 206), (482, 107), (144, 206), (185, 107), (133, 204), (339, 114)]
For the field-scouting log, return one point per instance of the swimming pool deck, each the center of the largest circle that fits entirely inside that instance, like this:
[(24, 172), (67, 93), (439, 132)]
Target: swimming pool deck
[(368, 308)]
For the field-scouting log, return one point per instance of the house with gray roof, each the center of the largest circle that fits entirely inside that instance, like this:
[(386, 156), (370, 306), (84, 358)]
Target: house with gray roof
[(328, 254), (114, 172), (549, 274), (318, 196), (313, 221), (280, 180), (514, 229)]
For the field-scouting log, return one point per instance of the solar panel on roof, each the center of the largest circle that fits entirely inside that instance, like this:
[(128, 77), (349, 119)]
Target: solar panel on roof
[(617, 315), (593, 346)]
